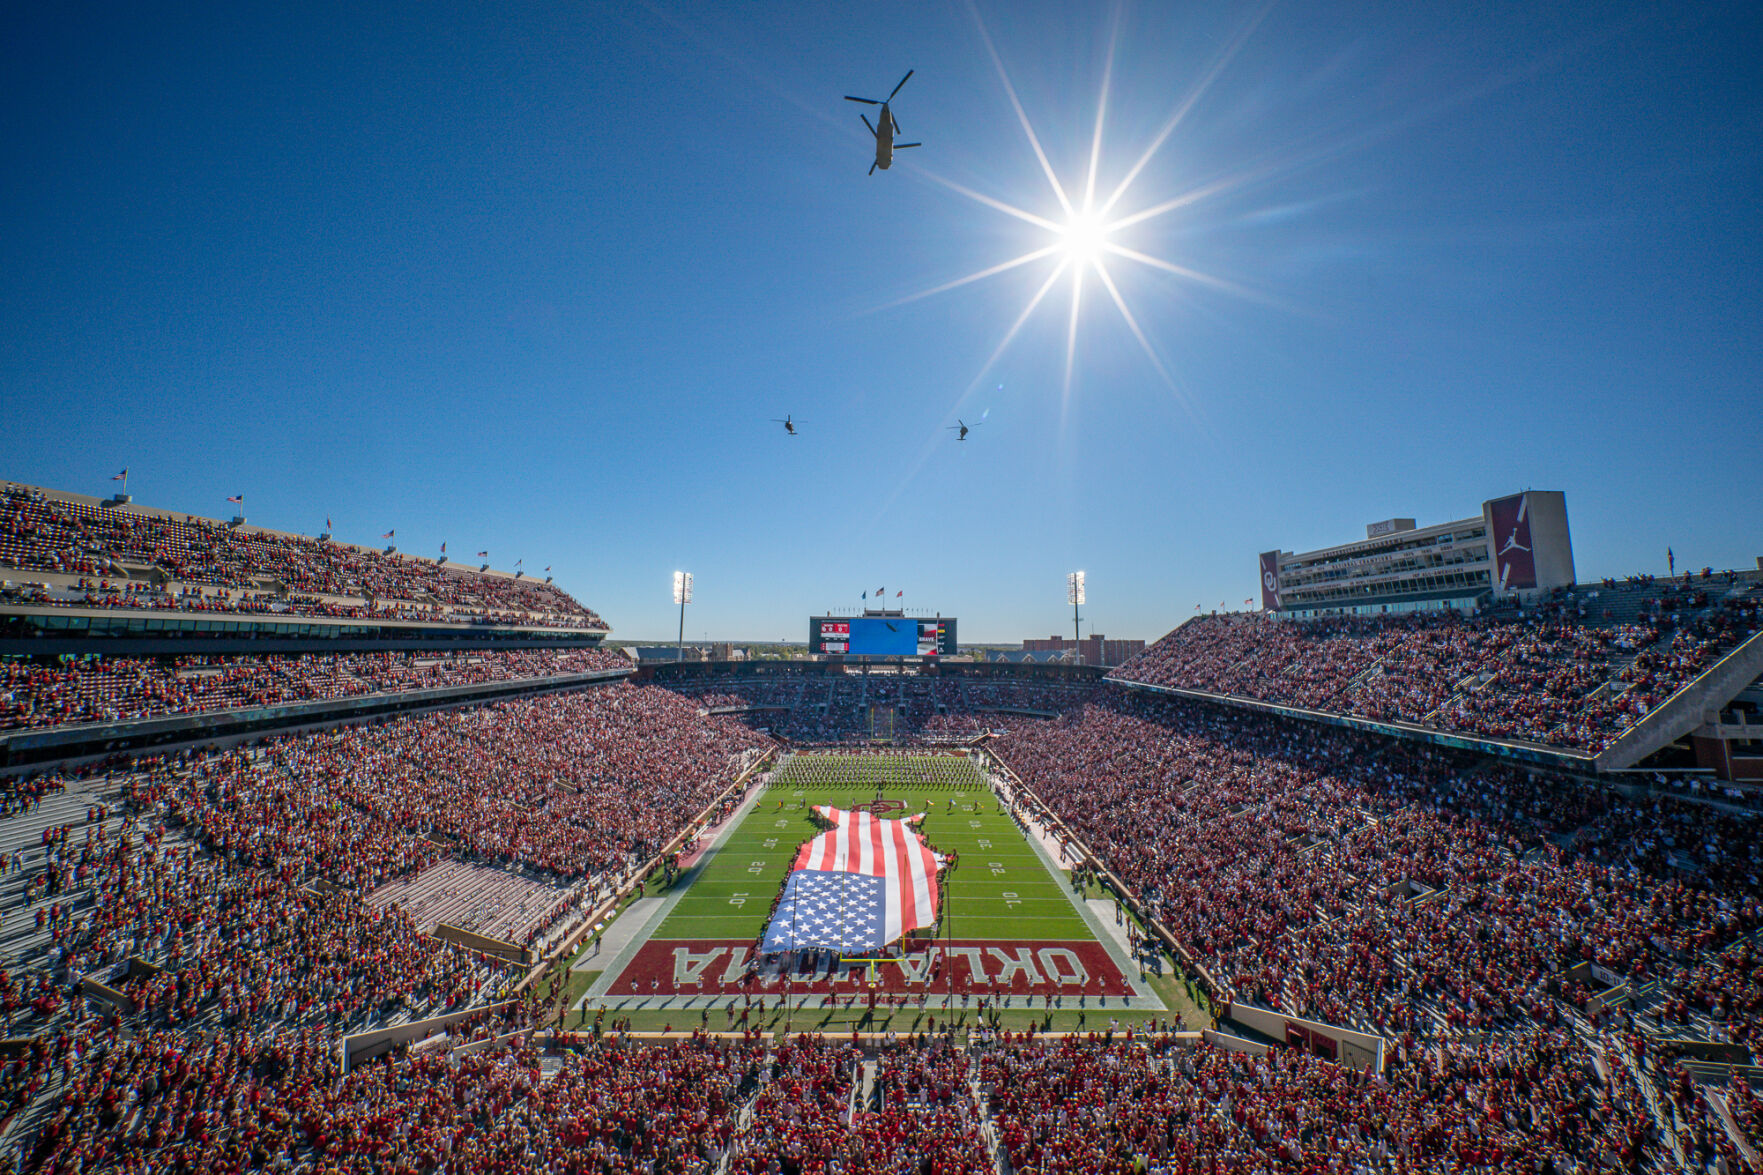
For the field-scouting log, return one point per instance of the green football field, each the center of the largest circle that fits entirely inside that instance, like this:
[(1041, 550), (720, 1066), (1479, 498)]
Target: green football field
[(1000, 889), (683, 967)]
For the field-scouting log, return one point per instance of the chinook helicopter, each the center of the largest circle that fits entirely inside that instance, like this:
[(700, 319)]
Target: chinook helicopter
[(884, 127)]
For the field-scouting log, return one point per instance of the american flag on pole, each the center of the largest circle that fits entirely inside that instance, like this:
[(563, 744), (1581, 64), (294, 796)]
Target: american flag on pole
[(858, 887)]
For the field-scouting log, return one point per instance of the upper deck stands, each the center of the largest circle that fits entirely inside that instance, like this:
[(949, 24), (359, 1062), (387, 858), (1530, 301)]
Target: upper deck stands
[(1574, 672), (135, 558)]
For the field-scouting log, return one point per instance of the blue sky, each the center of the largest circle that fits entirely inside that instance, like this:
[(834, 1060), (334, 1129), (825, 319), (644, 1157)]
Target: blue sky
[(536, 277)]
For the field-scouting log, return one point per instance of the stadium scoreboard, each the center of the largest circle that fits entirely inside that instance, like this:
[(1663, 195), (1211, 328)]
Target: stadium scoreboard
[(881, 635)]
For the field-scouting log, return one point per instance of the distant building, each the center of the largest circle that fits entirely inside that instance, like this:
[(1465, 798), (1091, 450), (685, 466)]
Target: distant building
[(1517, 546), (1028, 657), (1095, 649), (647, 654)]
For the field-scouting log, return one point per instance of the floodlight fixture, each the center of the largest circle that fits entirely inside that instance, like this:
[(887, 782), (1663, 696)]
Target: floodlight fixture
[(682, 595), (1074, 595)]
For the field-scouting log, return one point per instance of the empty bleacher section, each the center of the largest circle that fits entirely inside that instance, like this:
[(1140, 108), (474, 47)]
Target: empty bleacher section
[(506, 907), (1573, 672), (67, 550)]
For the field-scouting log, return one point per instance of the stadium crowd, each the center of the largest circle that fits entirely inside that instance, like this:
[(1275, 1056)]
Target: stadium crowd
[(836, 709), (1331, 874), (1451, 904), (572, 784), (1546, 675), (310, 576), (1532, 1101), (39, 693)]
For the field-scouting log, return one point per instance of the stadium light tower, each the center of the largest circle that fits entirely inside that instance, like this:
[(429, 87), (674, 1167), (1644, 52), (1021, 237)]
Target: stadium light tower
[(682, 595), (1074, 595)]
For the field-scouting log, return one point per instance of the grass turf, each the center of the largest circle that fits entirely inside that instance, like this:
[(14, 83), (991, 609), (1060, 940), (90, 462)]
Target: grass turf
[(1001, 890)]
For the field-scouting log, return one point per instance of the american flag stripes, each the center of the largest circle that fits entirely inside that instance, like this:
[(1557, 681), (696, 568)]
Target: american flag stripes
[(859, 886)]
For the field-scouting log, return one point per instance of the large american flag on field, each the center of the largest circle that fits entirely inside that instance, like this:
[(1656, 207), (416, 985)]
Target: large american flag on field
[(857, 887)]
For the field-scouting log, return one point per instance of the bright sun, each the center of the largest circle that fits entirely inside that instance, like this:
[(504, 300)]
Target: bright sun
[(1088, 242), (1083, 237)]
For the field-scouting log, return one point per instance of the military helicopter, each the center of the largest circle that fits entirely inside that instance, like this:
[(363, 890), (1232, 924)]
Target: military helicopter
[(789, 425), (964, 427), (885, 126)]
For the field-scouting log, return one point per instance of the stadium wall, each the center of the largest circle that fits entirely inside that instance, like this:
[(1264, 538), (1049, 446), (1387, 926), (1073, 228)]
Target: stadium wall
[(1358, 1050), (364, 1046), (483, 943)]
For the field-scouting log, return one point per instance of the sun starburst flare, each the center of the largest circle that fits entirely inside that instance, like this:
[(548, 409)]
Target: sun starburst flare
[(1082, 234)]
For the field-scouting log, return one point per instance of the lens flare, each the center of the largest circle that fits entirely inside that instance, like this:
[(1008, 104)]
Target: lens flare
[(1084, 237), (1084, 229)]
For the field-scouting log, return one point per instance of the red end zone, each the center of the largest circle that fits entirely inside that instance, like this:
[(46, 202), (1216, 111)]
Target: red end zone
[(674, 967)]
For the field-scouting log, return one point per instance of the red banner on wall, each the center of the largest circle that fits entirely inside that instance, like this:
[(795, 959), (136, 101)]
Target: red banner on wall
[(1270, 581), (1515, 564)]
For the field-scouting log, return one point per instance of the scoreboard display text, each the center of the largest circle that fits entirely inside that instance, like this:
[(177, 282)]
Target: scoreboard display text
[(881, 636)]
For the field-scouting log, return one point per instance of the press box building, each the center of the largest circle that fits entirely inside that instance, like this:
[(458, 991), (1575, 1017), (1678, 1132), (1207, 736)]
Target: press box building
[(1518, 546)]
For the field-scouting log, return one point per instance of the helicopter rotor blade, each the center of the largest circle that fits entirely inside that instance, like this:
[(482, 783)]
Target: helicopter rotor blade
[(871, 101), (872, 169), (898, 146), (903, 81), (867, 123)]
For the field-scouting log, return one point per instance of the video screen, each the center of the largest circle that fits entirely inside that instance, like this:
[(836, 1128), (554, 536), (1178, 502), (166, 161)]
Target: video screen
[(883, 636)]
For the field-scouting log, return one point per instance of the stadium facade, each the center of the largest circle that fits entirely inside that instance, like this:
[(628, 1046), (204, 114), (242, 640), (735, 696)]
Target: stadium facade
[(1518, 546), (1094, 649)]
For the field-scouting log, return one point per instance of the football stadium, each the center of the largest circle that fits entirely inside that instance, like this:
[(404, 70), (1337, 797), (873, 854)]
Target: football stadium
[(441, 849), (1433, 852)]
